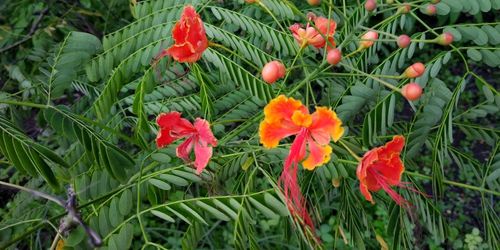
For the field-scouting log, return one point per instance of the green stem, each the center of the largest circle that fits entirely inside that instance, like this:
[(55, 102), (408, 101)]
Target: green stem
[(388, 85), (26, 104), (454, 183)]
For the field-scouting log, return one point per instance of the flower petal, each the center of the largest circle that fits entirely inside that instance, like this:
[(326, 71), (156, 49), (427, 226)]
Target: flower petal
[(184, 149), (190, 39), (390, 165), (163, 138), (272, 133), (282, 108), (202, 153), (318, 155), (204, 132), (325, 124)]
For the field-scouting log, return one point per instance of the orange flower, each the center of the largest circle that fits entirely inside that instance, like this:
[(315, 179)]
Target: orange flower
[(315, 37), (382, 168), (190, 40), (285, 117)]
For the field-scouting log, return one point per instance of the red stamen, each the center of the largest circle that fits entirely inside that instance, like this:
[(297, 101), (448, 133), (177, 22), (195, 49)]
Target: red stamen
[(289, 183)]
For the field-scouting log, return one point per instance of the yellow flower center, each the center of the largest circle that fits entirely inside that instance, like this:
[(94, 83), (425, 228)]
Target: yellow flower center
[(301, 119)]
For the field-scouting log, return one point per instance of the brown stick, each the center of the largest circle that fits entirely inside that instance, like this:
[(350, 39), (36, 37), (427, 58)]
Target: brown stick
[(33, 28)]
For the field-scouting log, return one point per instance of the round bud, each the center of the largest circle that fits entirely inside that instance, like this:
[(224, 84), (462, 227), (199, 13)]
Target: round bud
[(311, 16), (430, 9), (415, 70), (313, 2), (368, 39), (281, 69), (370, 5), (445, 39), (411, 91), (336, 182), (404, 41), (405, 8), (272, 71), (334, 56)]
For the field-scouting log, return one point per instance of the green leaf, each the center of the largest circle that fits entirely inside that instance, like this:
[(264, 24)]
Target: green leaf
[(163, 216), (125, 203), (160, 184)]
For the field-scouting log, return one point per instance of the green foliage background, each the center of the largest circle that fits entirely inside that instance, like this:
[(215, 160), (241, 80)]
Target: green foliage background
[(79, 93)]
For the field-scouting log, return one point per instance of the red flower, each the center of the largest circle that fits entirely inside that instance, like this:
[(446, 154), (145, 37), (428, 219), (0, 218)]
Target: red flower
[(382, 168), (199, 135), (189, 36), (311, 36), (285, 117)]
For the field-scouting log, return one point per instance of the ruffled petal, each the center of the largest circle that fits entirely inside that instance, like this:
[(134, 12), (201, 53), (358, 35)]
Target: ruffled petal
[(325, 26), (204, 132), (278, 122), (163, 138), (189, 35), (325, 124), (168, 120), (172, 127), (365, 192), (390, 165), (272, 133), (183, 53), (318, 155), (184, 149), (202, 153), (282, 108)]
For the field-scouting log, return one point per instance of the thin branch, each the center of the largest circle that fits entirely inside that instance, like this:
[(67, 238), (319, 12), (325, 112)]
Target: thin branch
[(33, 28)]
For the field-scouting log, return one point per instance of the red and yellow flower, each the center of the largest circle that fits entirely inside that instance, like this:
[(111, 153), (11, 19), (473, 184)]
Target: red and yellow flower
[(190, 39), (199, 136), (381, 168), (285, 117)]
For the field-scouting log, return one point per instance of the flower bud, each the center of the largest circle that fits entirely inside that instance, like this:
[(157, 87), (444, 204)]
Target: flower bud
[(370, 5), (311, 16), (334, 56), (430, 9), (404, 41), (313, 2), (405, 8), (272, 71), (445, 39), (415, 70), (411, 91), (336, 182), (368, 39)]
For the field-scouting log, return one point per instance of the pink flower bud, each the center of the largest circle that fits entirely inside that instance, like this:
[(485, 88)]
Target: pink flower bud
[(405, 8), (445, 39), (404, 41), (415, 70), (313, 2), (430, 9), (272, 71), (368, 39), (334, 56), (411, 91), (370, 5)]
